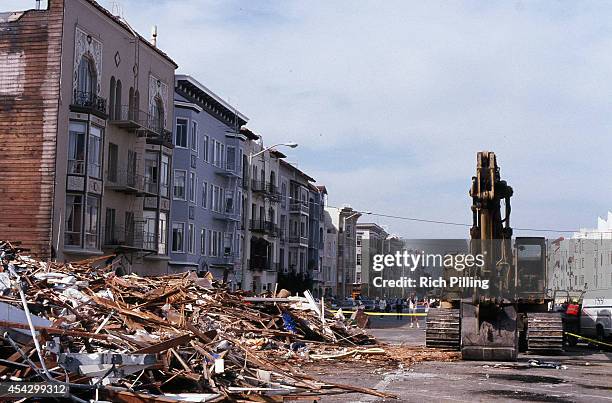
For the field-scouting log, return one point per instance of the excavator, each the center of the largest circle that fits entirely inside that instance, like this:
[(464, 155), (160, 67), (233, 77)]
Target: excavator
[(512, 314)]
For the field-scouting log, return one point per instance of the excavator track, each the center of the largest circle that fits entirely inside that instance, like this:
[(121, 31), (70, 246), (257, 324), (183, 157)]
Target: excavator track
[(544, 332), (443, 329)]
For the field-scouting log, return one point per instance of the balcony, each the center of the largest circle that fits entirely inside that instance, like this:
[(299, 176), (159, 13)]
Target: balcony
[(156, 133), (301, 241), (129, 238), (124, 181), (225, 168), (226, 260), (298, 208), (264, 227), (267, 189), (227, 215), (88, 102), (126, 117)]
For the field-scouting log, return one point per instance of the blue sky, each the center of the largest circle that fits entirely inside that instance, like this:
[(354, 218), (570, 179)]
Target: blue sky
[(390, 101)]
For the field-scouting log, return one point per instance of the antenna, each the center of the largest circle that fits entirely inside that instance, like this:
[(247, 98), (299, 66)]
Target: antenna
[(154, 35), (116, 9)]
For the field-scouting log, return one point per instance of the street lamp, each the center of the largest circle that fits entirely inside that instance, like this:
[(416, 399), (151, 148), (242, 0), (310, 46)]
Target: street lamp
[(290, 144)]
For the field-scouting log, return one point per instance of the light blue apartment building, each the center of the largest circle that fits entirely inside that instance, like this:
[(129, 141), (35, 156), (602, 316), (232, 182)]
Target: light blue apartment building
[(206, 228)]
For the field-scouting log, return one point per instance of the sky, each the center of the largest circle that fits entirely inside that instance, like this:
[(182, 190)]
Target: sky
[(390, 101)]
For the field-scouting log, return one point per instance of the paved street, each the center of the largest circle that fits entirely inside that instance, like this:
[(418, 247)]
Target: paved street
[(587, 377)]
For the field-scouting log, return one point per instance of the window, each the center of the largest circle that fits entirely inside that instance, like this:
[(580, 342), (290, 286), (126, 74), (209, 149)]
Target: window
[(203, 242), (178, 240), (86, 79), (131, 168), (111, 100), (151, 168), (210, 195), (284, 194), (179, 184), (113, 157), (162, 236), (91, 222), (359, 240), (191, 239), (194, 135), (157, 115), (204, 194), (76, 148), (74, 214), (94, 166), (109, 229), (164, 180), (150, 222), (231, 158), (117, 111), (181, 133), (205, 149), (209, 250), (192, 187)]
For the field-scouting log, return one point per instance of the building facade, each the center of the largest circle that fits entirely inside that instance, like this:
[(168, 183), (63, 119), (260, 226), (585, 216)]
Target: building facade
[(90, 105), (295, 188), (262, 235), (345, 220), (371, 240), (330, 253), (207, 189)]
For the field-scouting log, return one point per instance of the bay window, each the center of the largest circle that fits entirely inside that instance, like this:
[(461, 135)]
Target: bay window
[(151, 172), (74, 214), (194, 135), (94, 153), (164, 173), (76, 148), (162, 235), (192, 187), (191, 239), (92, 217)]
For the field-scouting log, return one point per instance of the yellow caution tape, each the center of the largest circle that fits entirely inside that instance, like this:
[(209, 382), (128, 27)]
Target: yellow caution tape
[(381, 313), (590, 340)]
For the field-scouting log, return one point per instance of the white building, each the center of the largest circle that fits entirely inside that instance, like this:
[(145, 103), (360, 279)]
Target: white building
[(584, 262)]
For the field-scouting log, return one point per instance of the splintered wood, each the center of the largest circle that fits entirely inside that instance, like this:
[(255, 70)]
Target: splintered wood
[(165, 338)]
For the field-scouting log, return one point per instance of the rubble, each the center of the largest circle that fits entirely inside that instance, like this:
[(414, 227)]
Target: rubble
[(168, 338)]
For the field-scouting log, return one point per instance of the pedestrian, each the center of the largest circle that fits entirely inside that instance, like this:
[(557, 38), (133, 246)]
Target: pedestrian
[(412, 304), (398, 308), (382, 305)]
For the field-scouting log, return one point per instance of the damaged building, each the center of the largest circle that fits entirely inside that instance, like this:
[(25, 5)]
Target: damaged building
[(86, 111)]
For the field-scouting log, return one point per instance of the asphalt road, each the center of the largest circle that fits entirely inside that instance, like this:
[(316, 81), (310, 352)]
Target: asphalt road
[(585, 377)]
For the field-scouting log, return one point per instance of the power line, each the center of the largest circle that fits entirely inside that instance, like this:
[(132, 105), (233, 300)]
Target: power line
[(442, 222), (456, 224)]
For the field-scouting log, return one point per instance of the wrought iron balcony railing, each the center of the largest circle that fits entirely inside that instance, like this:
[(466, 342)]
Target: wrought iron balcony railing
[(89, 101)]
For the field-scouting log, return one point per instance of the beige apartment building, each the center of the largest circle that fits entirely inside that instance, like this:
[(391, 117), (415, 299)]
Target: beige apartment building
[(86, 124)]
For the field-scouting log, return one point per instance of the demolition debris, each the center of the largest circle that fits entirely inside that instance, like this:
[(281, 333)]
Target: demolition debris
[(169, 338)]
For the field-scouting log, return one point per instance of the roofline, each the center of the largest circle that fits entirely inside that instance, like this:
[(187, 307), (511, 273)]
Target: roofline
[(299, 171), (125, 26), (210, 93)]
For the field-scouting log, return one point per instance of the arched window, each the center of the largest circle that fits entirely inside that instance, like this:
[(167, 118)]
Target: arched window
[(131, 108), (118, 101), (111, 95), (272, 180), (158, 114), (86, 80)]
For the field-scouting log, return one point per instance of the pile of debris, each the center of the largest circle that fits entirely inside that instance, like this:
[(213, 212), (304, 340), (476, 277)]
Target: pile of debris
[(173, 337)]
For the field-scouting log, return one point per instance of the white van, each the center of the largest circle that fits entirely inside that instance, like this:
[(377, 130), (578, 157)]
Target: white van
[(596, 315)]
